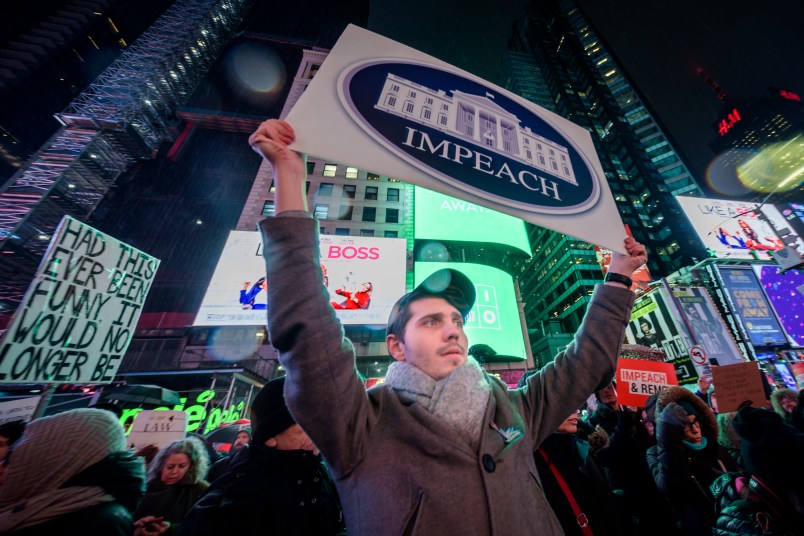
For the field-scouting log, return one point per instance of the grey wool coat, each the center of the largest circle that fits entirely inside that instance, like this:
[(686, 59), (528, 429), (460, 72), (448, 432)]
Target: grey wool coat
[(398, 468)]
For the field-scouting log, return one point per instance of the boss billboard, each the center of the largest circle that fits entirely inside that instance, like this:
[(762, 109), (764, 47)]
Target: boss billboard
[(363, 275)]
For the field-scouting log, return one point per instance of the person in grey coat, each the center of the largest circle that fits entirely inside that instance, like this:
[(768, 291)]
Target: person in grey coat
[(440, 447)]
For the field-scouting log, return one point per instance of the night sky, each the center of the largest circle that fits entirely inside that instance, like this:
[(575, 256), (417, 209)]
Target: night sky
[(745, 46)]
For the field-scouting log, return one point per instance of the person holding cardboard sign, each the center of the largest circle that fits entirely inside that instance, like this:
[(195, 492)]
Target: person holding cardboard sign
[(441, 447)]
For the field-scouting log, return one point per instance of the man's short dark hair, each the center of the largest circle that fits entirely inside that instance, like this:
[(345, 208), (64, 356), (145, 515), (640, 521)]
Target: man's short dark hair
[(646, 321)]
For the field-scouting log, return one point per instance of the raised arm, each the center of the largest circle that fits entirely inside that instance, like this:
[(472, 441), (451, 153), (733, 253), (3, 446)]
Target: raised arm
[(322, 390), (271, 140), (591, 359)]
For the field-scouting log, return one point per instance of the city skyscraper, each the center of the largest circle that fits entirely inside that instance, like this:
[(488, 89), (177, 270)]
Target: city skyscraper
[(557, 61)]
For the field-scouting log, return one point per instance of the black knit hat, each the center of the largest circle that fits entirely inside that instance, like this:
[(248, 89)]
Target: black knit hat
[(768, 446), (269, 414), (451, 285), (613, 383)]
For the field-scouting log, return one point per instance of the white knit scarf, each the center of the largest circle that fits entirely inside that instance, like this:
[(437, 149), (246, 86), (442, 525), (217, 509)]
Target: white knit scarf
[(460, 399), (50, 452)]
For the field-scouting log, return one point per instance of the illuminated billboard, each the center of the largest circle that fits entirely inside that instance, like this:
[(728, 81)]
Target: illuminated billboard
[(441, 217), (731, 229), (749, 302), (786, 293), (655, 323), (364, 276), (494, 320), (706, 324)]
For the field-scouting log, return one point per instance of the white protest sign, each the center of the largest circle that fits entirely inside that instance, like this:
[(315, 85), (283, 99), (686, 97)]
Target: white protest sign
[(79, 314), (157, 427), (391, 109), (21, 409)]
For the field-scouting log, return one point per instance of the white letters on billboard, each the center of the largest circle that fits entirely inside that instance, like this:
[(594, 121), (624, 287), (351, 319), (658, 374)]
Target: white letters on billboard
[(364, 276), (385, 107), (732, 229)]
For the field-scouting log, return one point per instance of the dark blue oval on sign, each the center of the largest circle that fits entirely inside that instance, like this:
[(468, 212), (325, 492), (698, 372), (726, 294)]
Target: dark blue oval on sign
[(470, 136)]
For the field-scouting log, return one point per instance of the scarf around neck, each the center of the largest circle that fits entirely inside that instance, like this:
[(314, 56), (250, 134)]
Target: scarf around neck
[(460, 399)]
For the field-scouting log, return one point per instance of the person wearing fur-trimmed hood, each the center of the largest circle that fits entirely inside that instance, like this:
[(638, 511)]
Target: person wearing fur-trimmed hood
[(687, 458), (784, 402)]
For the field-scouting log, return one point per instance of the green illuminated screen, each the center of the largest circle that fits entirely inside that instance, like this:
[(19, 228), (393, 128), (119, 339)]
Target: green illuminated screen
[(440, 217), (494, 320)]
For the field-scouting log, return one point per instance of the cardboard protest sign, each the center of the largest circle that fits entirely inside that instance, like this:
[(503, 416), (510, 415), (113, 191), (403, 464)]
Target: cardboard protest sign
[(734, 384), (21, 409), (157, 427), (391, 109), (637, 380), (78, 316)]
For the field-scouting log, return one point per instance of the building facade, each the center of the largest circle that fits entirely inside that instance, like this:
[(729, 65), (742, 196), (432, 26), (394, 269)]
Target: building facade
[(557, 61)]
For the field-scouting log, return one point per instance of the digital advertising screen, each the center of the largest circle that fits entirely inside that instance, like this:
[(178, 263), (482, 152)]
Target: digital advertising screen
[(441, 217), (752, 307), (654, 323), (707, 326), (364, 276), (731, 229), (494, 320), (782, 219), (786, 294)]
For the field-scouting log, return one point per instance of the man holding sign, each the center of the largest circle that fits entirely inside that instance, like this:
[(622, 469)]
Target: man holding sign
[(441, 447)]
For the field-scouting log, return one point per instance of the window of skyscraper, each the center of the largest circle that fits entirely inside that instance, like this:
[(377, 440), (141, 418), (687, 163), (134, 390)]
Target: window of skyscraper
[(325, 189), (369, 213), (321, 211), (391, 234), (341, 231), (310, 168), (372, 177), (272, 189), (392, 215), (392, 194), (366, 232), (330, 170), (345, 212), (349, 191), (371, 192), (351, 172), (268, 208)]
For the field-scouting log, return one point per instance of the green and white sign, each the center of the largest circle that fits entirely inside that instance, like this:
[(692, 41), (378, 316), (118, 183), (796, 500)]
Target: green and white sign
[(79, 314)]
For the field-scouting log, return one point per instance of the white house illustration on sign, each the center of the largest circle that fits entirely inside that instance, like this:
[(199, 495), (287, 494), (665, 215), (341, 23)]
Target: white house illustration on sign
[(477, 119)]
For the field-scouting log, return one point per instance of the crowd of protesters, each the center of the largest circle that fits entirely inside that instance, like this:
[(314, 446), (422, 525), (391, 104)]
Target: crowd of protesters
[(441, 447)]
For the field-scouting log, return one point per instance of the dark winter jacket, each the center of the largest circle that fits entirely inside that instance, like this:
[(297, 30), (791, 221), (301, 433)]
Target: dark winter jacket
[(571, 458), (740, 510), (267, 491), (122, 475), (681, 473), (171, 502), (605, 417)]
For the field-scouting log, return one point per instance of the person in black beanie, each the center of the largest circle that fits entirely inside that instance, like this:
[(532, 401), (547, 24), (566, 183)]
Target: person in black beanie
[(769, 498), (771, 450), (278, 485)]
